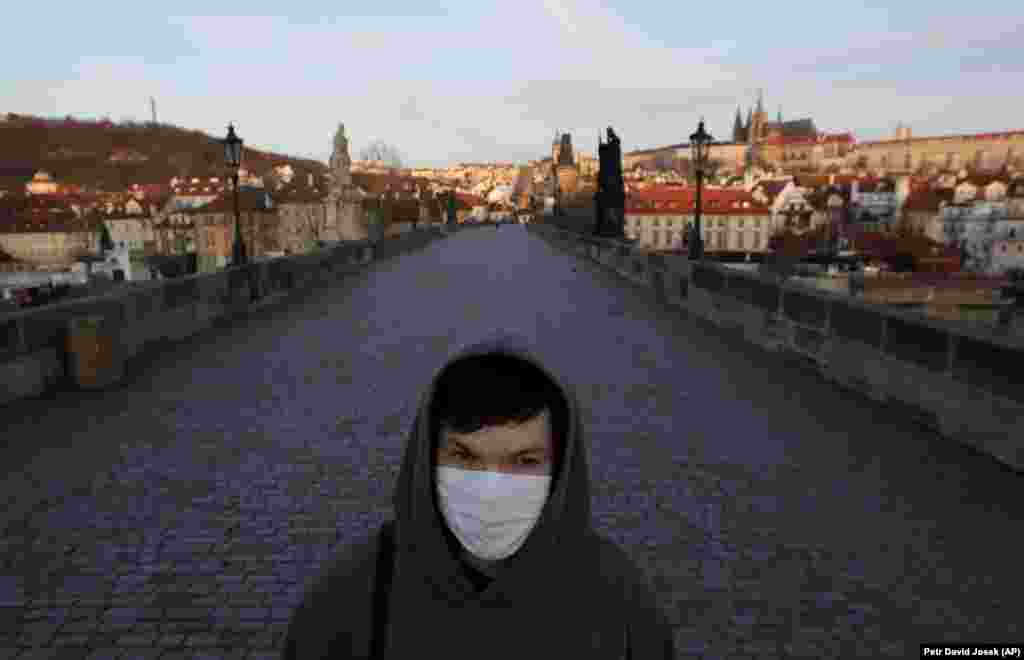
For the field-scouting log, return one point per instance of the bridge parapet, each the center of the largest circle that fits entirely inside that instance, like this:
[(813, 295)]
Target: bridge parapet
[(34, 342), (964, 382)]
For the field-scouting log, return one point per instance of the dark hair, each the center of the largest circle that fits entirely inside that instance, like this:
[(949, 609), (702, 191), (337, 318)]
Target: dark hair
[(495, 390)]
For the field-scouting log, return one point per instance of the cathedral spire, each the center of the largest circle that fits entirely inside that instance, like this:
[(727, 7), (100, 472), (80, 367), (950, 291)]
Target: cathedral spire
[(737, 127), (760, 101), (780, 115)]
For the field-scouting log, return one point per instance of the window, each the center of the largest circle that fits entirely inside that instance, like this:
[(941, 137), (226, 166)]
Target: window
[(656, 221), (757, 240), (739, 223)]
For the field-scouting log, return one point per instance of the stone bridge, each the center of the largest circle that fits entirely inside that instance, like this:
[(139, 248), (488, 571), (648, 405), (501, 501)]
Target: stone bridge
[(180, 513)]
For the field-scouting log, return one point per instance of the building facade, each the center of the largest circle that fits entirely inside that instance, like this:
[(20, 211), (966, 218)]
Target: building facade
[(731, 221), (906, 154), (210, 230)]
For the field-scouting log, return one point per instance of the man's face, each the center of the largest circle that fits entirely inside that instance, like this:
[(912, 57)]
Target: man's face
[(525, 448)]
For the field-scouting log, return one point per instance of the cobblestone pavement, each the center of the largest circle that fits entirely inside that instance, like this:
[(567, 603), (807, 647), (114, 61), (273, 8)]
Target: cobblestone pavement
[(777, 515)]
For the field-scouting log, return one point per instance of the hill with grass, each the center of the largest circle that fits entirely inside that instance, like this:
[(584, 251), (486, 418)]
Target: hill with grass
[(105, 155)]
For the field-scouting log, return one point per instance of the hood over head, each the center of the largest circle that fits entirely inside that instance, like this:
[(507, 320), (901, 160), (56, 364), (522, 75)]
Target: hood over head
[(423, 540), (566, 592)]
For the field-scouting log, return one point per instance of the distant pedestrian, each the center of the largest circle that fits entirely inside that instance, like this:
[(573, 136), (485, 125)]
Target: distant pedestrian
[(493, 551)]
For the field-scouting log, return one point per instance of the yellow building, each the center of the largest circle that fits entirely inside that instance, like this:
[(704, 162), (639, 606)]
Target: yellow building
[(51, 241), (904, 153)]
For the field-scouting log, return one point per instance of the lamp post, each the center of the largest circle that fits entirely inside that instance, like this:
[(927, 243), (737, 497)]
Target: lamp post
[(700, 147), (233, 156)]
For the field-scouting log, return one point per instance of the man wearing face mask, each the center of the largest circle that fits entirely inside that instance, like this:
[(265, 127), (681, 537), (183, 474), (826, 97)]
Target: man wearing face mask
[(494, 552)]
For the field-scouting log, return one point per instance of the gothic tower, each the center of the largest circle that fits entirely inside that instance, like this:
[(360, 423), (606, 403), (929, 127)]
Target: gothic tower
[(565, 166), (759, 130), (737, 127)]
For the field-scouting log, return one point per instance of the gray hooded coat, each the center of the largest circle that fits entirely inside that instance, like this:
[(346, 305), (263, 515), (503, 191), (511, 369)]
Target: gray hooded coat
[(567, 593)]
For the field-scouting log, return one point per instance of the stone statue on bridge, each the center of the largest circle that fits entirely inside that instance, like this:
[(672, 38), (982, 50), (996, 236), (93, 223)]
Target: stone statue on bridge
[(610, 198), (345, 220), (341, 163)]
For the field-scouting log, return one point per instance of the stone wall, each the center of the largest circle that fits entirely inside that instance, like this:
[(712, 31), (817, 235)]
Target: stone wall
[(33, 342), (965, 385)]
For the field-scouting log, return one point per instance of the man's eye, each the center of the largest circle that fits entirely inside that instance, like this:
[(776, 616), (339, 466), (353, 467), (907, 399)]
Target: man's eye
[(531, 461)]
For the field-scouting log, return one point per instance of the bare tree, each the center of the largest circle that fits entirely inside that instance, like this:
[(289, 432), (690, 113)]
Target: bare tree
[(381, 151)]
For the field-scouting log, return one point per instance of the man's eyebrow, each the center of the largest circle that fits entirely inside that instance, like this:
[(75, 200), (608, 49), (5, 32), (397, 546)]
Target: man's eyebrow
[(468, 449)]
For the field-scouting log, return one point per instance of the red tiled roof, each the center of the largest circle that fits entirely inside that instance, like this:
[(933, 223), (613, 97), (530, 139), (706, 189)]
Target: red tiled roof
[(772, 188), (470, 200), (728, 201), (248, 201), (983, 180), (810, 180), (927, 200), (299, 195), (705, 211), (377, 184)]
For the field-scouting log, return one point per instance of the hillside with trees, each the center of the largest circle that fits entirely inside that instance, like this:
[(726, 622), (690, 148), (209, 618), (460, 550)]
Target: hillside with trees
[(105, 155)]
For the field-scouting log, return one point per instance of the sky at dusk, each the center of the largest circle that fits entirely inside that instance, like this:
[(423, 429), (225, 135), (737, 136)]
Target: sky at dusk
[(449, 82)]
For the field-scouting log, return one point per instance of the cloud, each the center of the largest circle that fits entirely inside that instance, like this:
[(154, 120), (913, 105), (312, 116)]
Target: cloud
[(477, 81), (562, 14), (410, 111)]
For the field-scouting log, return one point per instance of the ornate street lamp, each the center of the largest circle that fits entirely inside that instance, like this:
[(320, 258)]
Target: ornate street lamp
[(700, 147), (233, 156)]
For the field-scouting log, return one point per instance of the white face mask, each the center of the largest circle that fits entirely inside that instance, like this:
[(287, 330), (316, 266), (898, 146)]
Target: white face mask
[(491, 513)]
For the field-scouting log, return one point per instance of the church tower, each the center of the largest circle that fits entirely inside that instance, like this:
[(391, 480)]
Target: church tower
[(759, 129), (737, 127), (565, 165)]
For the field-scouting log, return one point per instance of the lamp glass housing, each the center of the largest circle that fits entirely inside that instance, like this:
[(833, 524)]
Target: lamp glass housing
[(700, 146), (233, 149)]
